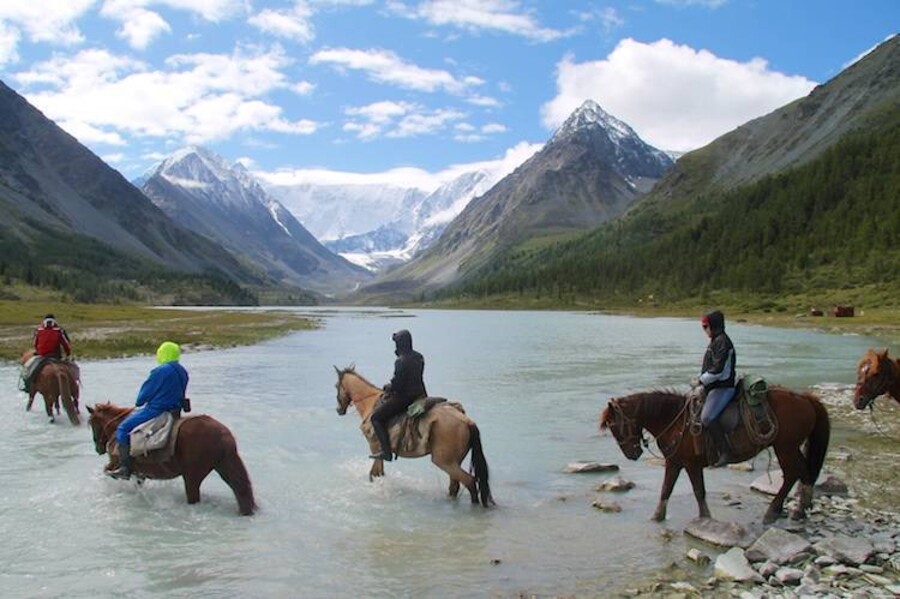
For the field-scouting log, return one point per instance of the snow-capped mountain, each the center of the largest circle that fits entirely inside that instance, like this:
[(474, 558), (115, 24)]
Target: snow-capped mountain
[(224, 202), (589, 172)]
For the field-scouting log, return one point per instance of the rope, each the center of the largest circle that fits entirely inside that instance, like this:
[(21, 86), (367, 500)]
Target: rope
[(754, 426), (878, 428)]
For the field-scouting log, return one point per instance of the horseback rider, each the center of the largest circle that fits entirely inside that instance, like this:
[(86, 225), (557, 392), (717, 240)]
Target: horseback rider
[(50, 340), (718, 379), (163, 391), (406, 386)]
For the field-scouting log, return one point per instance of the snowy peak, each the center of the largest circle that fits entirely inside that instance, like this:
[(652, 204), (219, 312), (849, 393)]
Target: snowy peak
[(212, 177), (591, 116)]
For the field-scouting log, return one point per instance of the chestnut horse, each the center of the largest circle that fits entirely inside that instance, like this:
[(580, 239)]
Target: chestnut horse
[(876, 374), (801, 418), (56, 381), (203, 444), (446, 433)]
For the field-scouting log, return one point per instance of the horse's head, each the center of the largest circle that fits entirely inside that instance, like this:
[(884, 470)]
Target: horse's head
[(619, 417), (874, 375), (103, 420), (343, 395)]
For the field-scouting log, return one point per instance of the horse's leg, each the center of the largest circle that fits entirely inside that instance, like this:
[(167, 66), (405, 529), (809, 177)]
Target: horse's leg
[(804, 502), (791, 462), (671, 476), (376, 470), (48, 407), (30, 401), (695, 472), (454, 488), (192, 487), (450, 462)]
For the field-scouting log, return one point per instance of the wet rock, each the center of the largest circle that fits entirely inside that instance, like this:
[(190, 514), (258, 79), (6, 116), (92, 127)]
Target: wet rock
[(832, 485), (846, 549), (733, 565), (769, 483), (616, 484), (582, 467), (698, 557), (723, 534), (778, 546), (610, 507), (789, 576)]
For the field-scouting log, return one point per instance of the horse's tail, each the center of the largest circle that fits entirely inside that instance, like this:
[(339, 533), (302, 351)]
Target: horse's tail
[(817, 443), (65, 392), (480, 466), (232, 470)]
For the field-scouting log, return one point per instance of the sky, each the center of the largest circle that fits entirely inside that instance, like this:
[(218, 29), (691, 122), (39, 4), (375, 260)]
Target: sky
[(413, 92)]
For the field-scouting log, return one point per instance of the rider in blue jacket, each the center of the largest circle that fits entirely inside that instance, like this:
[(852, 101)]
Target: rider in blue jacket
[(163, 391)]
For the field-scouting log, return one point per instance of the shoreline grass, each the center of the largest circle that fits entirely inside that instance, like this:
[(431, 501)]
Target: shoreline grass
[(115, 331)]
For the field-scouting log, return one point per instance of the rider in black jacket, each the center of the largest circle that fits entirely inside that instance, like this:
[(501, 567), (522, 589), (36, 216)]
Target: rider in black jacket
[(718, 379), (406, 386)]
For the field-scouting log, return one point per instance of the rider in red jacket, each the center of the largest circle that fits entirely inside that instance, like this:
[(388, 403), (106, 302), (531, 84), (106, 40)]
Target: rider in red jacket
[(51, 340)]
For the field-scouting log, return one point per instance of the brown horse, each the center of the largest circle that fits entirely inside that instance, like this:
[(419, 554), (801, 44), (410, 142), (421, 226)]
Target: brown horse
[(800, 418), (203, 444), (57, 382), (445, 432), (876, 374)]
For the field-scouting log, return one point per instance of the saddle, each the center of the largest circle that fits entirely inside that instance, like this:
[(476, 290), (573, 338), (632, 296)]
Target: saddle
[(154, 440), (748, 420), (34, 364), (404, 430)]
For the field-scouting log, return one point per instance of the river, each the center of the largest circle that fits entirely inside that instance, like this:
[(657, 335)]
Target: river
[(535, 383)]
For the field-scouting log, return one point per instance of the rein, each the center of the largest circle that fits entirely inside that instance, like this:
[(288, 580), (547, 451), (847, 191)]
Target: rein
[(670, 449)]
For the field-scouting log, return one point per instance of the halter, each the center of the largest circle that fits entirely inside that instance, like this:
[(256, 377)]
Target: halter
[(633, 431), (872, 387)]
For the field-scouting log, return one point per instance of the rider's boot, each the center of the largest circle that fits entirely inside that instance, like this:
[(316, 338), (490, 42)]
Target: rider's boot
[(385, 440), (124, 469), (723, 445)]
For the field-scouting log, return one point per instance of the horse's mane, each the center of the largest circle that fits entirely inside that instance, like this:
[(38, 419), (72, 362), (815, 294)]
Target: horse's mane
[(352, 370), (111, 410), (655, 404)]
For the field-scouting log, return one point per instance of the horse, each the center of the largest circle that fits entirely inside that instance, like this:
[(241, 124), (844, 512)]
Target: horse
[(445, 432), (203, 444), (876, 374), (799, 417), (57, 381)]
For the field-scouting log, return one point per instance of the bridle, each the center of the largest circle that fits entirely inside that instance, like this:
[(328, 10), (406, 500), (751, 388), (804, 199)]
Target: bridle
[(630, 436), (871, 387)]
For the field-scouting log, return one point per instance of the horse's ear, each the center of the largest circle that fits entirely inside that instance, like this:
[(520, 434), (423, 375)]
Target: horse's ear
[(604, 418), (883, 355), (90, 409), (336, 369)]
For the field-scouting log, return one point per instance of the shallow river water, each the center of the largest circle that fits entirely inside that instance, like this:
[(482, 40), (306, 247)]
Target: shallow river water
[(535, 383)]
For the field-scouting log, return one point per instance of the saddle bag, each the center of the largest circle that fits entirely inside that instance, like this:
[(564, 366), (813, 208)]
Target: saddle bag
[(151, 435)]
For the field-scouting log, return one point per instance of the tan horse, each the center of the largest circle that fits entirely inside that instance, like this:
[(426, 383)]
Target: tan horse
[(57, 382), (876, 374), (444, 431)]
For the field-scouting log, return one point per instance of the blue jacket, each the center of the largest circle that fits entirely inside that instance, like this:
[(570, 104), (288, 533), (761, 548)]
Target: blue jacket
[(164, 388), (163, 391)]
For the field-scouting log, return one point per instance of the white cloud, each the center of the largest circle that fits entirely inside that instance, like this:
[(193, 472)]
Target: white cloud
[(404, 176), (504, 16), (674, 97), (51, 21), (293, 23), (303, 88), (385, 66), (9, 41), (397, 119), (196, 99), (607, 16), (141, 26)]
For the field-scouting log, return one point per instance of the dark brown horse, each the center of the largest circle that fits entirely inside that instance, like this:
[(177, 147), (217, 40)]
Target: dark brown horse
[(801, 418), (57, 382), (203, 444), (876, 374), (444, 431)]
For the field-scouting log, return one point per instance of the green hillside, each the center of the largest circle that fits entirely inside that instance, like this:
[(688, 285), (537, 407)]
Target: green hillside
[(821, 230)]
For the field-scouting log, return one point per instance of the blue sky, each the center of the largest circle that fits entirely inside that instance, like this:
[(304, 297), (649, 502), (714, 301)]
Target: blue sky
[(413, 91)]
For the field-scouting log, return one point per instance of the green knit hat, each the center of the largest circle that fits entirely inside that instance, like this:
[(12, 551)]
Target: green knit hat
[(168, 352)]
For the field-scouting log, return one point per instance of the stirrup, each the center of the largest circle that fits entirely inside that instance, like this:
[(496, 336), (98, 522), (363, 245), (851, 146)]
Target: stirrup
[(387, 457), (119, 473)]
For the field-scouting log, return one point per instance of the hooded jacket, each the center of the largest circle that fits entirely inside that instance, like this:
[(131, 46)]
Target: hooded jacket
[(50, 339), (407, 383), (719, 361)]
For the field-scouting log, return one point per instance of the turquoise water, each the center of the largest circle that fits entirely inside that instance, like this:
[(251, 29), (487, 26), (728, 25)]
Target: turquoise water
[(535, 383)]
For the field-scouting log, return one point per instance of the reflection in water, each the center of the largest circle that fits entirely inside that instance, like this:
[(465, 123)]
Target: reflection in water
[(534, 381)]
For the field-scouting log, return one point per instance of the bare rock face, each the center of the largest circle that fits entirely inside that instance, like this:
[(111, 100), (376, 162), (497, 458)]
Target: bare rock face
[(779, 546), (723, 534)]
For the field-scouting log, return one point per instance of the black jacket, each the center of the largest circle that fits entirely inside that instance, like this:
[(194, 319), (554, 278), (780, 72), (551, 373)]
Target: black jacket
[(720, 359), (407, 384)]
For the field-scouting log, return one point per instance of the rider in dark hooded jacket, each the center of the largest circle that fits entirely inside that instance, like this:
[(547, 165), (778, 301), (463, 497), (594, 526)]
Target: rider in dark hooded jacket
[(718, 379), (406, 386)]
